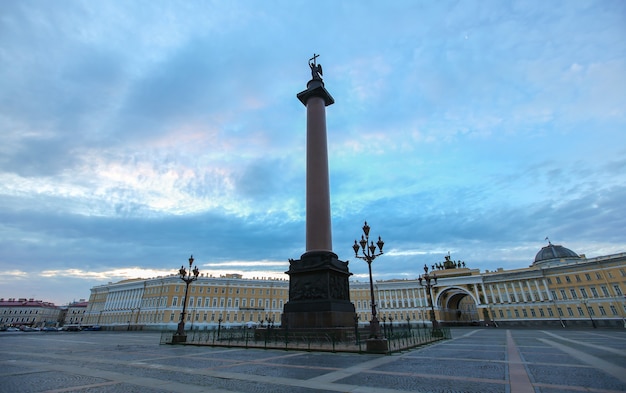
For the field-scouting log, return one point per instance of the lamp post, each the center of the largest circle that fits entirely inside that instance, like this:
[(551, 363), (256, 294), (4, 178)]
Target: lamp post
[(429, 281), (188, 276), (368, 255), (593, 323)]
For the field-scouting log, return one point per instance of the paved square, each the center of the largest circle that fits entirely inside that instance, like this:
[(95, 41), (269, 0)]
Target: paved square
[(475, 360)]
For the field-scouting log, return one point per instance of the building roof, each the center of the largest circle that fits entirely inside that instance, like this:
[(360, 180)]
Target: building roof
[(554, 252)]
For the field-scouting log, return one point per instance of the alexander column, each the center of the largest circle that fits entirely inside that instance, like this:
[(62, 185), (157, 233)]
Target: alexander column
[(319, 295)]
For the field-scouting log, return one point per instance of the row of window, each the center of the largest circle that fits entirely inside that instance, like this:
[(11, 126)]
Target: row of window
[(583, 292), (577, 277), (231, 290), (228, 302), (569, 310)]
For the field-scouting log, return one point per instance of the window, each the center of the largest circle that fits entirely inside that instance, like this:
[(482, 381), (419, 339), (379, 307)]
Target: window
[(174, 301), (549, 280), (558, 280), (525, 313), (594, 292), (251, 302), (563, 295), (570, 312), (567, 279), (580, 312), (550, 313), (243, 302), (541, 313), (617, 289), (622, 272), (553, 292), (590, 311), (207, 302), (577, 278), (605, 291), (501, 313), (171, 316), (602, 310), (199, 303), (532, 312), (560, 311), (613, 309), (583, 292), (598, 276), (214, 302), (516, 313), (572, 291), (230, 303)]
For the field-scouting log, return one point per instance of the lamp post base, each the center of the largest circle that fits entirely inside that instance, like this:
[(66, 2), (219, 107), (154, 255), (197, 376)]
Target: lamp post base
[(376, 345), (179, 338)]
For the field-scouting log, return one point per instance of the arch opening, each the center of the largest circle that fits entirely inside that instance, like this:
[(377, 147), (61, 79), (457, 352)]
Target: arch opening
[(457, 307)]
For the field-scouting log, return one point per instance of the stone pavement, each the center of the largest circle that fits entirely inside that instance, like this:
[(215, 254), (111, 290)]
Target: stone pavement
[(475, 360)]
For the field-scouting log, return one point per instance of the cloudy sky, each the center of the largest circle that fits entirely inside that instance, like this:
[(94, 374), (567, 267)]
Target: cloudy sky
[(136, 133)]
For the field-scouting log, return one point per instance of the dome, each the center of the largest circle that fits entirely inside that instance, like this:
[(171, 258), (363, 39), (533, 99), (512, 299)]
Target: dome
[(552, 252)]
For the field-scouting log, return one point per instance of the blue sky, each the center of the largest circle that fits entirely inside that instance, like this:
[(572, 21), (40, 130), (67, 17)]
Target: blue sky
[(137, 133)]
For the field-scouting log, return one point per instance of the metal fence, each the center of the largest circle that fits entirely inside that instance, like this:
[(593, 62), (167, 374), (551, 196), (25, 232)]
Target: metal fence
[(268, 338)]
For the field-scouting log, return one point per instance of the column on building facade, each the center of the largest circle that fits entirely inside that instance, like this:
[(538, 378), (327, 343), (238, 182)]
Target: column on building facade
[(506, 291), (539, 291), (530, 291), (523, 292), (500, 298), (476, 293), (545, 284), (493, 298), (485, 297)]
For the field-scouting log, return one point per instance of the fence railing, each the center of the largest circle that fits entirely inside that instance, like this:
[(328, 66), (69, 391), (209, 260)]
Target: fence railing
[(275, 338)]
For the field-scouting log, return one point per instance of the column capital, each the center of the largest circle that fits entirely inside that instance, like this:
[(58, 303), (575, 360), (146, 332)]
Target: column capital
[(315, 88)]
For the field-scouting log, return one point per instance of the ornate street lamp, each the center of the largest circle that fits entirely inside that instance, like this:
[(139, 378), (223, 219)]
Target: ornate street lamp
[(188, 276), (429, 281), (368, 255)]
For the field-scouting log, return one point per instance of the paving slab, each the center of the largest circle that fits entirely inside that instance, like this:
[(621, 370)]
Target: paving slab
[(474, 360)]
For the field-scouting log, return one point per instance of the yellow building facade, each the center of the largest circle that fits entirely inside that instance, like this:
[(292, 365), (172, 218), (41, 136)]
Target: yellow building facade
[(560, 288)]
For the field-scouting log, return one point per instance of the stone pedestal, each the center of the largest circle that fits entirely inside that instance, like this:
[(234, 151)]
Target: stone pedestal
[(376, 345), (179, 339), (319, 295)]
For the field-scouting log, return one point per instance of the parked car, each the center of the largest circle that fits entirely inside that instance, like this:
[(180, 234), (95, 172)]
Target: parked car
[(93, 328), (50, 329), (12, 329)]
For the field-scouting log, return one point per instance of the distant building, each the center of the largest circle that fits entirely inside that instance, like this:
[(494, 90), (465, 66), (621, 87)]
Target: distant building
[(28, 312), (559, 288), (75, 313)]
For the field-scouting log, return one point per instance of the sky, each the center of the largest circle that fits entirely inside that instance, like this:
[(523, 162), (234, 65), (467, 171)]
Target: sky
[(136, 133)]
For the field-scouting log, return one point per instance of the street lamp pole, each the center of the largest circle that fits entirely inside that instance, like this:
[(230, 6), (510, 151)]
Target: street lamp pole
[(368, 254), (429, 281), (593, 323), (188, 276)]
